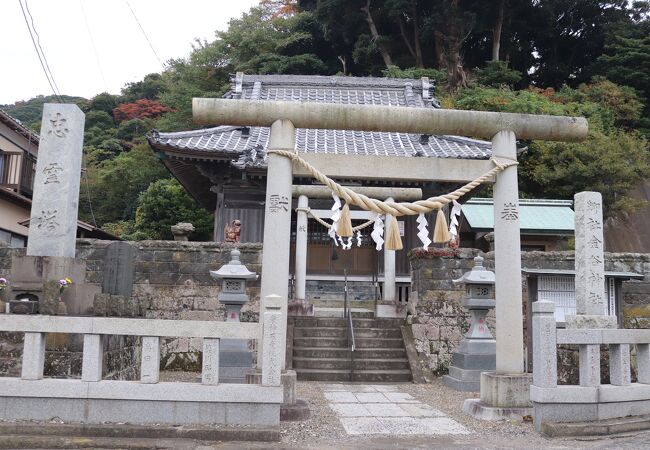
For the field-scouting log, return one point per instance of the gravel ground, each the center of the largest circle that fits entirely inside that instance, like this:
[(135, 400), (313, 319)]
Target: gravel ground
[(324, 430)]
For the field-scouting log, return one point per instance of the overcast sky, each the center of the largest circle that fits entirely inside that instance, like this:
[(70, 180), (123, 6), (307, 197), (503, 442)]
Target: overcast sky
[(123, 51)]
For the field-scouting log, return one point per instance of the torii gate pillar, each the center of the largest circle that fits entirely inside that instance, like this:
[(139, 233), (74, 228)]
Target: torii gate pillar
[(277, 225)]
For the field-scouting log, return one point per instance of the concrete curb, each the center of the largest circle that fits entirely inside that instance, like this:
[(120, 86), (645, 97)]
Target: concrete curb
[(82, 430), (596, 428)]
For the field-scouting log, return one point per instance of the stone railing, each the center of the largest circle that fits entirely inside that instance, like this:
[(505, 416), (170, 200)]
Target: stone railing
[(92, 400), (590, 400)]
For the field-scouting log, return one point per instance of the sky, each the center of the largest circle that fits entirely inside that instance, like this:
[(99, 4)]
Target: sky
[(120, 54)]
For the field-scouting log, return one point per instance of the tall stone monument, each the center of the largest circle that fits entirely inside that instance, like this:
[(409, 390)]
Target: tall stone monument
[(591, 307), (53, 223), (53, 220)]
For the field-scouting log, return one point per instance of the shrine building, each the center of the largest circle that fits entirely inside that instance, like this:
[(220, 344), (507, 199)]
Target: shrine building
[(224, 169)]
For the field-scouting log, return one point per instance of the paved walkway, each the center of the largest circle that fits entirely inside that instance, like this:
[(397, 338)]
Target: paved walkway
[(383, 409)]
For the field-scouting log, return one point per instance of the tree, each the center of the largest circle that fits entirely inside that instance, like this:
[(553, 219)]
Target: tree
[(99, 119), (140, 109), (626, 61), (611, 160), (116, 183), (151, 87), (165, 203), (103, 102)]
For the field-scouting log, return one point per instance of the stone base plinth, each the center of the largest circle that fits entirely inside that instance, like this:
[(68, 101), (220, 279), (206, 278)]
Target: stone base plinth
[(29, 274), (506, 390), (292, 409), (476, 408), (476, 356)]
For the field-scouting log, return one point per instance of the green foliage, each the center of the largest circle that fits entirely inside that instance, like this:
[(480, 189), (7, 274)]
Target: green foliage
[(99, 119), (103, 102), (124, 229), (610, 164), (133, 129), (30, 112), (435, 75), (165, 203), (611, 161), (151, 87), (497, 73), (116, 183)]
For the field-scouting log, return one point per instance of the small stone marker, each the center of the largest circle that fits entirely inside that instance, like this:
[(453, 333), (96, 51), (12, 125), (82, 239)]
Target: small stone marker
[(53, 221), (118, 272), (591, 307)]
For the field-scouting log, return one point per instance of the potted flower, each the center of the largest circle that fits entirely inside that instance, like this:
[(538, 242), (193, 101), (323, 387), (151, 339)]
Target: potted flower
[(64, 283)]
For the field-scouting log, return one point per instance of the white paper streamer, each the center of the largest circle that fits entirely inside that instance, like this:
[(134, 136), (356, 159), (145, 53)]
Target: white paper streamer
[(336, 215), (358, 238), (348, 245), (423, 234), (455, 214), (378, 232)]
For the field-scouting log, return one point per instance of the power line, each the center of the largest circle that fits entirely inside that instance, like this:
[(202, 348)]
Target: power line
[(145, 34), (92, 43), (38, 41), (47, 75)]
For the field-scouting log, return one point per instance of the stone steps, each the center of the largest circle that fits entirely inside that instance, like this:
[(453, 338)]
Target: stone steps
[(341, 342), (360, 353), (375, 376), (321, 349), (345, 363), (357, 313), (340, 332), (342, 322)]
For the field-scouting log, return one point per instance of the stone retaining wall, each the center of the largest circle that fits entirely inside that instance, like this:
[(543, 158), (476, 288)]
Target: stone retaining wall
[(171, 281), (439, 321)]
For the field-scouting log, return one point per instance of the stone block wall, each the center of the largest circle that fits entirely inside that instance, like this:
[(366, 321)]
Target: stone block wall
[(439, 321)]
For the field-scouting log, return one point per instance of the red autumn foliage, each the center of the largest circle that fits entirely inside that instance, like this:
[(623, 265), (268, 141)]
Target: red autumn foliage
[(140, 109)]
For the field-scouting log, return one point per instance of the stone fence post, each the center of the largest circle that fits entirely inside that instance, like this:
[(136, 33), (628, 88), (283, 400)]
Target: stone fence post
[(272, 342), (544, 345)]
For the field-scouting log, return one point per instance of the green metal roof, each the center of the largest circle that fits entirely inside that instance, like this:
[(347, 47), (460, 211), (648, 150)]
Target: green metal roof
[(535, 216)]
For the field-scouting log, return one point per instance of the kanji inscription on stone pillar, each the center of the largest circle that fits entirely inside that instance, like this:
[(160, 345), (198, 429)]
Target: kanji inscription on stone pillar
[(53, 222), (589, 257)]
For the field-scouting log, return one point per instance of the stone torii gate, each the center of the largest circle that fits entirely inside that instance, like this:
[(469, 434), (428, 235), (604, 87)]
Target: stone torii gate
[(503, 389)]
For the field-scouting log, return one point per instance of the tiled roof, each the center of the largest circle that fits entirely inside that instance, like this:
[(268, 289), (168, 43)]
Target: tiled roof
[(18, 127), (248, 145)]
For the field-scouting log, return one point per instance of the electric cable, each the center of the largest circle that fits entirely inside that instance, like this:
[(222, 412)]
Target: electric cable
[(144, 33), (31, 34), (92, 43)]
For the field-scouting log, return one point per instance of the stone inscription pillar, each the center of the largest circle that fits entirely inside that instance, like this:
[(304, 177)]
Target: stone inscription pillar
[(53, 220), (507, 260), (277, 225), (389, 266), (301, 247), (589, 257)]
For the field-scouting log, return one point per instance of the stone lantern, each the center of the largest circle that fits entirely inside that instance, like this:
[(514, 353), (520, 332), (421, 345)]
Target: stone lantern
[(233, 278), (477, 351), (235, 358)]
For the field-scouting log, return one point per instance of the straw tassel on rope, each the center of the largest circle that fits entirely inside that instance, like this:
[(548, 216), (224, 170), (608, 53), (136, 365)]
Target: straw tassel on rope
[(441, 232), (344, 228), (393, 239)]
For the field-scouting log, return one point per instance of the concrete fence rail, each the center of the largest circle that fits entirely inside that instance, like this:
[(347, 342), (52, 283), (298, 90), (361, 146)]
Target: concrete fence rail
[(94, 400), (591, 400)]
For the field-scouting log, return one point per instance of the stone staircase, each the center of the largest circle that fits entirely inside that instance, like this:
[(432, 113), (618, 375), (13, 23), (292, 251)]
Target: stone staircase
[(321, 352)]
